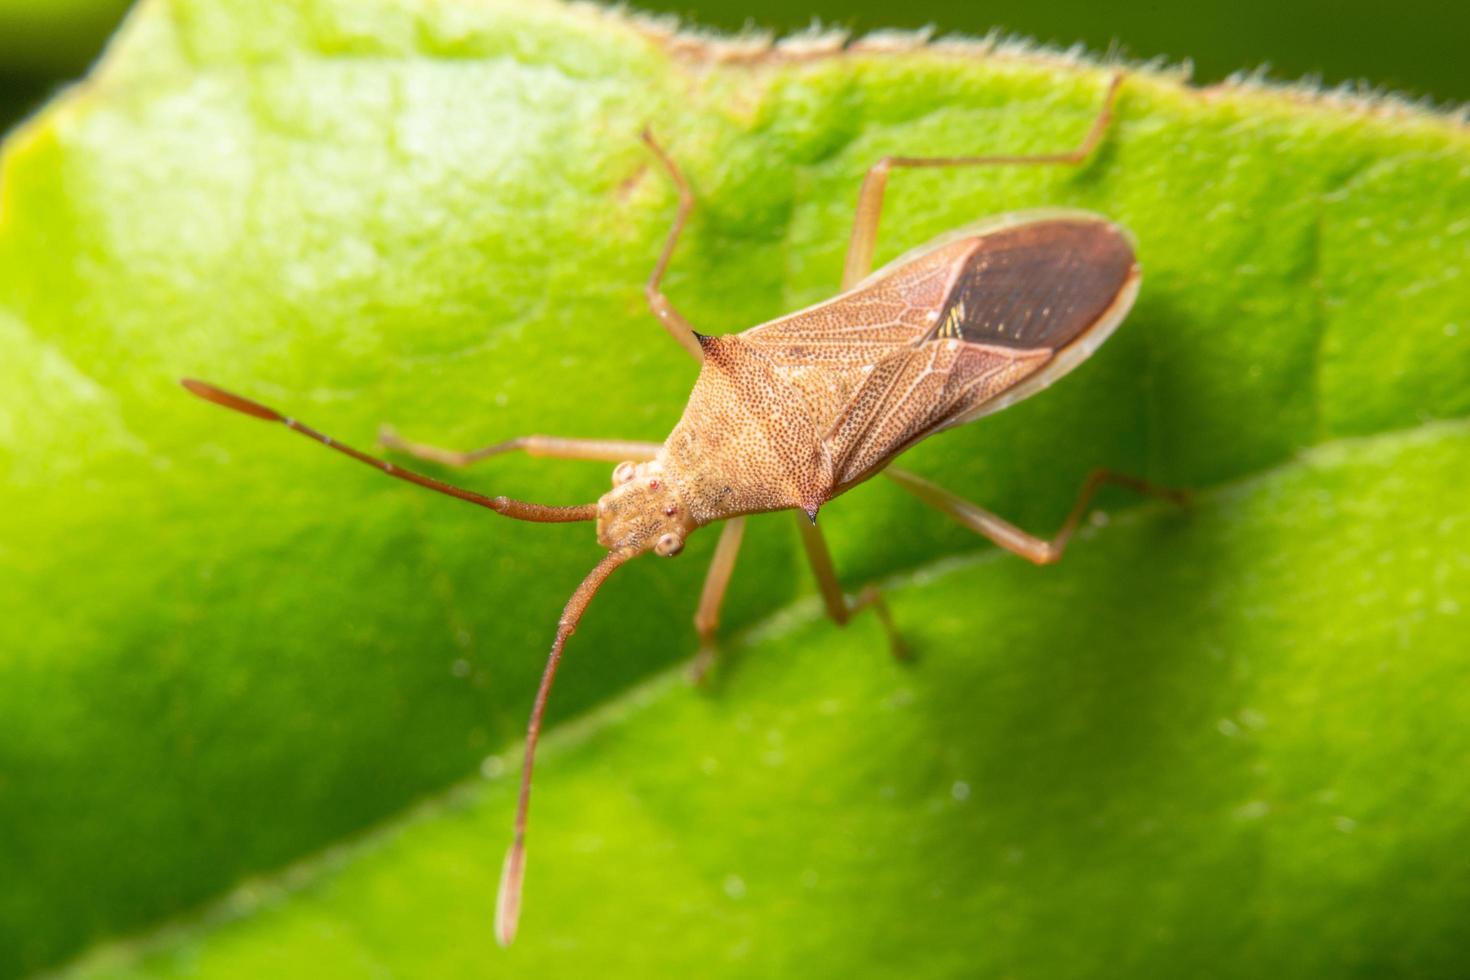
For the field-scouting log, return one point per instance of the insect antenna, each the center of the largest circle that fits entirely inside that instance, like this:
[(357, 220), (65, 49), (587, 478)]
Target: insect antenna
[(513, 873), (518, 509)]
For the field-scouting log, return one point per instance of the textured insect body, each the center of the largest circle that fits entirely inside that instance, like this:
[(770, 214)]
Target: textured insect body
[(791, 413)]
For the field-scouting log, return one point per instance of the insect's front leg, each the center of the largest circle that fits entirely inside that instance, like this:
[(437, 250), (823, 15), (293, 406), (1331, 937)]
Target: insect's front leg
[(672, 319), (1042, 551), (716, 581), (870, 197), (555, 447), (839, 606)]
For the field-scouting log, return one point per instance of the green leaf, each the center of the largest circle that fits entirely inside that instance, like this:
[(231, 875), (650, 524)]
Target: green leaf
[(222, 649)]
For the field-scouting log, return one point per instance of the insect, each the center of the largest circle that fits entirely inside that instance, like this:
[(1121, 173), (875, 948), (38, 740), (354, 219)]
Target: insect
[(790, 414)]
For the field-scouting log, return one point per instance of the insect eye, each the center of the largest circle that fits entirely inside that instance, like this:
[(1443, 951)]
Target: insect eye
[(623, 474), (668, 546)]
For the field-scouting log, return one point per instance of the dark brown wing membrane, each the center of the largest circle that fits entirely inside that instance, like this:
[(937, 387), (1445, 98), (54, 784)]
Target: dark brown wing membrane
[(1036, 285)]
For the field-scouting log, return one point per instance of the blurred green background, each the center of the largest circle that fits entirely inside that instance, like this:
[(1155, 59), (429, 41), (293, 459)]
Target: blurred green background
[(1415, 47)]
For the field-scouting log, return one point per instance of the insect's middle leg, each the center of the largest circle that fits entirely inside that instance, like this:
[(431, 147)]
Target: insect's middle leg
[(870, 198), (672, 319), (839, 607), (1042, 551), (716, 581), (555, 447)]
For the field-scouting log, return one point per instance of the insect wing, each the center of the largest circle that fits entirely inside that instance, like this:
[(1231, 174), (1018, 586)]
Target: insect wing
[(1024, 304), (1036, 286), (1091, 302), (885, 313), (914, 392)]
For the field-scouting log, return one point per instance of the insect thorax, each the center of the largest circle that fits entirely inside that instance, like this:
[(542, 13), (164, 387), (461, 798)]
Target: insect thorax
[(748, 441)]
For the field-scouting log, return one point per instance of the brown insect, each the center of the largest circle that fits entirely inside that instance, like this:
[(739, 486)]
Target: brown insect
[(792, 413)]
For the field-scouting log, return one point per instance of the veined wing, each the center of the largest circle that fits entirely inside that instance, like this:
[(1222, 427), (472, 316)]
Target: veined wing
[(914, 392), (1029, 302), (884, 313), (1017, 280)]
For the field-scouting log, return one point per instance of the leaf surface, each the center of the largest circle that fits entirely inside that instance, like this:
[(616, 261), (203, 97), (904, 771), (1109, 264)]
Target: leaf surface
[(223, 649)]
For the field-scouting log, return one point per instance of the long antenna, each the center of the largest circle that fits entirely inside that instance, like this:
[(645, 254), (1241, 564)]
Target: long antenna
[(513, 873), (519, 509)]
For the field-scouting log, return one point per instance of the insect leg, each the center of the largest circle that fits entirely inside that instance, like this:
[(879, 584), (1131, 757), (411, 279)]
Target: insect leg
[(672, 319), (1042, 551), (870, 198), (839, 607), (716, 581), (607, 450)]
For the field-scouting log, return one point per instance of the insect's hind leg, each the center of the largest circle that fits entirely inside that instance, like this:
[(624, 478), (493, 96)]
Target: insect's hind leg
[(839, 607), (605, 450), (870, 197), (1042, 551), (672, 319)]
